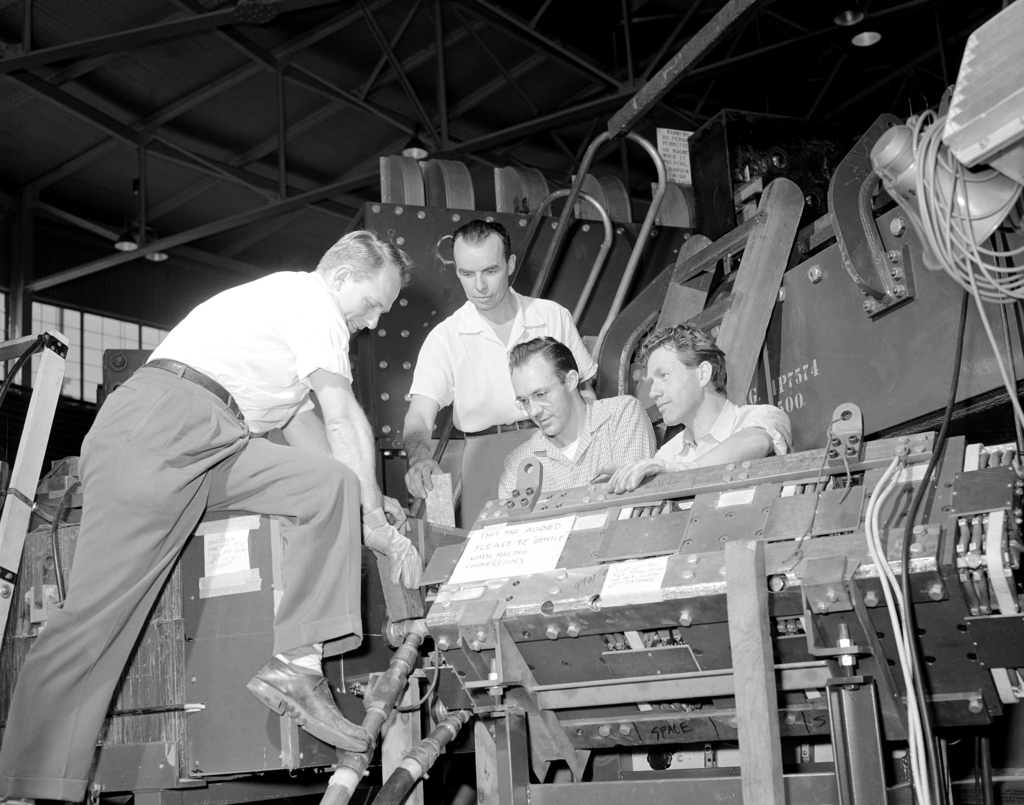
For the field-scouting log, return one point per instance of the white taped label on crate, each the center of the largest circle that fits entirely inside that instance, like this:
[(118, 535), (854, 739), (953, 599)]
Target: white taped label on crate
[(226, 563), (590, 521), (634, 582), (737, 497), (517, 549)]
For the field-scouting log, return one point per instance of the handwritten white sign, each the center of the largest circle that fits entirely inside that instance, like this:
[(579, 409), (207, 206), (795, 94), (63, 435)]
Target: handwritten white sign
[(635, 582), (226, 552), (517, 549), (674, 148)]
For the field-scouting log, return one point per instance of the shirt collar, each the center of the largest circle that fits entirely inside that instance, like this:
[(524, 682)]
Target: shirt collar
[(596, 416), (721, 430), (468, 318)]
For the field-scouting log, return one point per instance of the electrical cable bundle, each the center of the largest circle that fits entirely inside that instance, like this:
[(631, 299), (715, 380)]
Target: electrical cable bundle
[(917, 735), (953, 207)]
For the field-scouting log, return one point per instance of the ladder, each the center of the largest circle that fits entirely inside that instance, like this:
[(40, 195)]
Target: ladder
[(20, 500)]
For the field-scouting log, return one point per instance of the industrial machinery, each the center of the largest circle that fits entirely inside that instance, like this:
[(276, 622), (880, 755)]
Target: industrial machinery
[(647, 633), (802, 628)]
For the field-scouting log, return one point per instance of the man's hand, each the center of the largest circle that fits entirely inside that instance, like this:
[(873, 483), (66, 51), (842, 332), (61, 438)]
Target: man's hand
[(628, 477), (406, 565), (395, 513), (417, 479)]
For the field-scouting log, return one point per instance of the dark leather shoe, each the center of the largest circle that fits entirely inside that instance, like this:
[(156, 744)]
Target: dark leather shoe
[(307, 698)]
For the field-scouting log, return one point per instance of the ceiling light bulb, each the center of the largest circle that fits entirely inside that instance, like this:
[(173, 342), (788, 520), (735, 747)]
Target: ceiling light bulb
[(126, 242), (866, 39), (157, 257), (851, 16)]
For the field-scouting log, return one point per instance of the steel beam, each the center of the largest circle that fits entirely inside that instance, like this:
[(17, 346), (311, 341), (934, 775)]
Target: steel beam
[(828, 82), (912, 65), (669, 40), (199, 232), (403, 79), (265, 230), (511, 25), (481, 94), (442, 90), (498, 63), (163, 148), (188, 252), (801, 789), (670, 687), (248, 13), (206, 92), (679, 65), (395, 39), (553, 120), (73, 165)]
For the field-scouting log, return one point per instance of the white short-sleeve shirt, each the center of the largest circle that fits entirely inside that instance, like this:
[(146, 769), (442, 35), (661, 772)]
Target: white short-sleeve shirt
[(462, 360), (732, 418), (262, 340)]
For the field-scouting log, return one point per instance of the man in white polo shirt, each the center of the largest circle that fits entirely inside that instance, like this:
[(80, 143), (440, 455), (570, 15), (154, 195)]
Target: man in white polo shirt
[(464, 362), (178, 439), (688, 381)]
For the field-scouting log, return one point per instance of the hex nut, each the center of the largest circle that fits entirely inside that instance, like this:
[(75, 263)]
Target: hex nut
[(814, 274), (897, 226), (552, 632)]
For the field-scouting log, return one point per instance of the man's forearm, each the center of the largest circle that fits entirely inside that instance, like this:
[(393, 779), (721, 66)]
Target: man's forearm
[(417, 444), (352, 444)]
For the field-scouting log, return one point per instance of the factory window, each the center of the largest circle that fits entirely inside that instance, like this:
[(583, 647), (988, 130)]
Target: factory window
[(89, 335)]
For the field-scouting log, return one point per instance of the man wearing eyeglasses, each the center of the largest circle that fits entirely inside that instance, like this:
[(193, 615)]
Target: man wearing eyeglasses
[(577, 436), (464, 360)]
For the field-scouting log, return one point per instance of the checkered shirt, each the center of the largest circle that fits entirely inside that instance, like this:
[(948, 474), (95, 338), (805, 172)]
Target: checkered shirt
[(617, 431)]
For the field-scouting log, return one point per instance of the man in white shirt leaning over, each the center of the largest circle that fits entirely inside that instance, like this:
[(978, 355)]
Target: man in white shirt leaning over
[(688, 381)]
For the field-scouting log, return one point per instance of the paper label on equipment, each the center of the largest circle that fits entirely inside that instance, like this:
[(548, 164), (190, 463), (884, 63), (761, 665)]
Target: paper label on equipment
[(635, 582), (226, 552), (246, 522), (674, 148), (591, 521), (915, 472), (736, 497), (517, 549)]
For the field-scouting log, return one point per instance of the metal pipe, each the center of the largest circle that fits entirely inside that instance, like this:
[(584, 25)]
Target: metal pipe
[(541, 282), (641, 241), (141, 205), (379, 701), (602, 255), (420, 759), (282, 135)]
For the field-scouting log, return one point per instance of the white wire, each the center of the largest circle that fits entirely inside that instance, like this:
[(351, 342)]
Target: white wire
[(943, 224), (890, 590), (1011, 388)]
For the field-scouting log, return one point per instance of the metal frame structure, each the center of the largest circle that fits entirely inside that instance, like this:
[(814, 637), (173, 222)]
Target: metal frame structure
[(19, 502)]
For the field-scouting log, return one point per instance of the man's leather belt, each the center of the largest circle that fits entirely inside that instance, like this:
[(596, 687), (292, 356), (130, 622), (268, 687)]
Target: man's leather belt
[(523, 424), (208, 383)]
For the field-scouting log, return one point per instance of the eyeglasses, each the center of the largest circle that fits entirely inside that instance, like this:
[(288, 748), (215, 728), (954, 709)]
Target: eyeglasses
[(539, 397)]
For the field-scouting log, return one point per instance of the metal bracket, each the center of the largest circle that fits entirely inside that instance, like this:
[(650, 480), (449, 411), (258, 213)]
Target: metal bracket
[(884, 277), (527, 489), (846, 442)]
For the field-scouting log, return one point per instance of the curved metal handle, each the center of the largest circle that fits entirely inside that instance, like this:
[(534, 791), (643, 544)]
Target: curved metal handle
[(602, 255), (641, 241)]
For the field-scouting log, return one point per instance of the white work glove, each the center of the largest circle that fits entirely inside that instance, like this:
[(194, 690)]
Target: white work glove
[(395, 513), (381, 536)]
